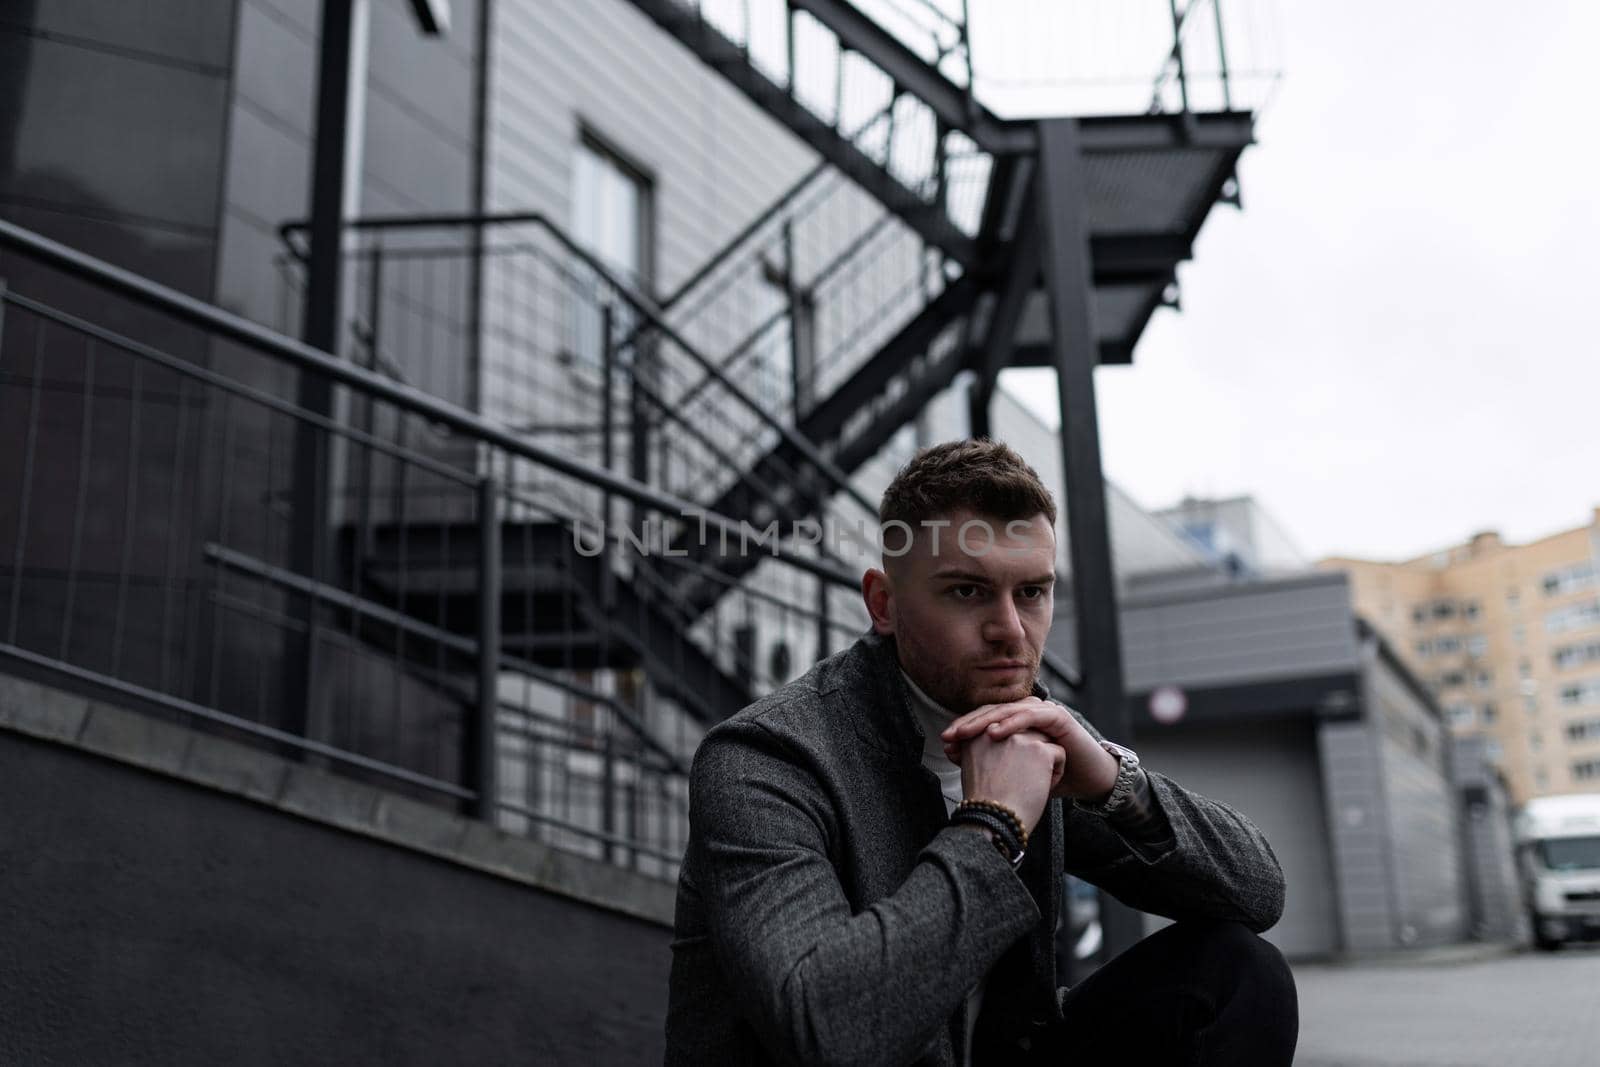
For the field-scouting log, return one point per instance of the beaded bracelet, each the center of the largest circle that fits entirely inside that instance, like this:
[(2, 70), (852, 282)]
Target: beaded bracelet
[(1000, 810), (1000, 831)]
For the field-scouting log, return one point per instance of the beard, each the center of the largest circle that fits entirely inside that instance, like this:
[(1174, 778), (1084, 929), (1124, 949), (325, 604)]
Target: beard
[(960, 687)]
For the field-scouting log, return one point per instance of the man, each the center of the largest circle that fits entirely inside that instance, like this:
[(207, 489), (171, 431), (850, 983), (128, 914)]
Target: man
[(874, 849)]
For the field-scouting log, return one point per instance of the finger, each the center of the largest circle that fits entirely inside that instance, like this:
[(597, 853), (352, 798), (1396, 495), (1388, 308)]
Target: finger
[(1051, 722), (974, 722), (970, 723)]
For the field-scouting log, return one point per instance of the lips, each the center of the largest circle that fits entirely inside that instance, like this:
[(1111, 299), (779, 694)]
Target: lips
[(1009, 665)]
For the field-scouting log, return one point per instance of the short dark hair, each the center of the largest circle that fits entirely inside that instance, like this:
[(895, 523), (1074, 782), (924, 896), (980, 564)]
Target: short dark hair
[(981, 476)]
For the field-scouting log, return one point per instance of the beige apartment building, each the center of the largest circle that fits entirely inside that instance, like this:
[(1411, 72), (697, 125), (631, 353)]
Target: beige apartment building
[(1507, 637)]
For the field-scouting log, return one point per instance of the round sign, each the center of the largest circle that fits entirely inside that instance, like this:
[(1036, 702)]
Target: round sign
[(1167, 704)]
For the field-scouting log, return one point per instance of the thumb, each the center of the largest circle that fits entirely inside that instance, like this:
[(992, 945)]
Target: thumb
[(1058, 765)]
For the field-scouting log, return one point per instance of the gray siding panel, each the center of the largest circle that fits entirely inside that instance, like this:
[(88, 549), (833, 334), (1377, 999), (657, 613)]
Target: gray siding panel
[(715, 159), (1421, 805), (1269, 774), (1354, 802), (1235, 634)]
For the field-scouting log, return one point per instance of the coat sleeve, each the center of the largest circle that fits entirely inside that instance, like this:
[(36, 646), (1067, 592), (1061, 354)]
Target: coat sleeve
[(1214, 863), (820, 984)]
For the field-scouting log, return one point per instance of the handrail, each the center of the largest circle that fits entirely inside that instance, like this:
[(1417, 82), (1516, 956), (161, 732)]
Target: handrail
[(237, 328), (640, 303), (723, 254), (466, 646)]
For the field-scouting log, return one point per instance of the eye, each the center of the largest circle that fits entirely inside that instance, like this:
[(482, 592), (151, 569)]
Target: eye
[(967, 591), (1032, 592)]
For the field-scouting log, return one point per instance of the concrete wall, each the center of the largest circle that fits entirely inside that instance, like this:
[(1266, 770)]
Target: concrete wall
[(256, 919)]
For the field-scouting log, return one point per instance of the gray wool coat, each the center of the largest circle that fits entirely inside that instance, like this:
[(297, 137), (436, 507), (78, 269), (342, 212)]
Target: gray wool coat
[(827, 913)]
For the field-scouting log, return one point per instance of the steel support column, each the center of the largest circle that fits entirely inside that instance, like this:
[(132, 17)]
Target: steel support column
[(341, 48), (1069, 286), (482, 734), (1000, 339)]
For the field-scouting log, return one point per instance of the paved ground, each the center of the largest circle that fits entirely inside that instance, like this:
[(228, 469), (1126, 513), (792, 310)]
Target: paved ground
[(1533, 1009)]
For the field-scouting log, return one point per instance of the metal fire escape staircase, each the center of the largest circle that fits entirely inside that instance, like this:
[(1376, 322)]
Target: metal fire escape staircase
[(953, 256), (972, 186)]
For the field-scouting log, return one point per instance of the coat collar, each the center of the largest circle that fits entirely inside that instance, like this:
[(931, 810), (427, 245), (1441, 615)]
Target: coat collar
[(867, 677)]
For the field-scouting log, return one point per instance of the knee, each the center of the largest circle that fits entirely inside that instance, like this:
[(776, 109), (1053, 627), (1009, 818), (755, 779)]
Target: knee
[(1240, 959)]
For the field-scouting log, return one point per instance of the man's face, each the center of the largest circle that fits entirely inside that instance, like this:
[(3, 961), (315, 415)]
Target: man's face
[(969, 614)]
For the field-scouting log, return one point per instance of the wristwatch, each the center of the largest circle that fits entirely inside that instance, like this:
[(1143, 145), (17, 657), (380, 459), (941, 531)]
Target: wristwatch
[(1127, 779)]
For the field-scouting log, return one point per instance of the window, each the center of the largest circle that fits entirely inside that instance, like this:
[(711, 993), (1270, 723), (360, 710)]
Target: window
[(1444, 645), (611, 221), (1470, 610), (1574, 655), (1584, 693), (1530, 705), (1443, 609), (1573, 617), (1583, 730), (1586, 770), (1535, 741), (1483, 679), (1512, 596), (1477, 645), (1572, 853), (1493, 750), (1450, 678), (1459, 714), (1490, 713), (1419, 614), (1571, 578)]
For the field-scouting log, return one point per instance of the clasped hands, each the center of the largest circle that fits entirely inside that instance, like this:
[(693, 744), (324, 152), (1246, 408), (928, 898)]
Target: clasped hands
[(1011, 750)]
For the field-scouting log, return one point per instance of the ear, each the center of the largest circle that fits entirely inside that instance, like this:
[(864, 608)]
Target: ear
[(879, 596)]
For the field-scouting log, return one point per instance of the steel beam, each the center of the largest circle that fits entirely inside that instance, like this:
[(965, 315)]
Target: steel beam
[(1122, 133), (954, 106), (1069, 284), (1124, 257), (729, 60)]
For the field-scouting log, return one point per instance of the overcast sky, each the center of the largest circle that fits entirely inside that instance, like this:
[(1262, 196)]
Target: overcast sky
[(1396, 343)]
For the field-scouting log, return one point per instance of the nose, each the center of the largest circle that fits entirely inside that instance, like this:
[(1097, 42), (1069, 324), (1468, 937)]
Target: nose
[(1004, 624)]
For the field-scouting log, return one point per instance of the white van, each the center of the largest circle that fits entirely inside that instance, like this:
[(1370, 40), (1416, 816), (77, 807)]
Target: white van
[(1558, 855)]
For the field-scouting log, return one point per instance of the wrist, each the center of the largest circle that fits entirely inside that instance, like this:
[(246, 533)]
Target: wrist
[(1002, 825), (1125, 782), (1109, 767)]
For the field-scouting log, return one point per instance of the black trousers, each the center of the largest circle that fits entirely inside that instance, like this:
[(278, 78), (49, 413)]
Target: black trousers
[(1192, 994)]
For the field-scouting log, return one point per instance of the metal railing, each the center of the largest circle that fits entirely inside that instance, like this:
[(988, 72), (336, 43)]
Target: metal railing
[(577, 357), (467, 646), (1107, 57)]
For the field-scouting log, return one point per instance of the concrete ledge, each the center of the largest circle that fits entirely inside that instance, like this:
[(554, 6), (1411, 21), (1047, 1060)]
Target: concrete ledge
[(307, 792), (44, 713)]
